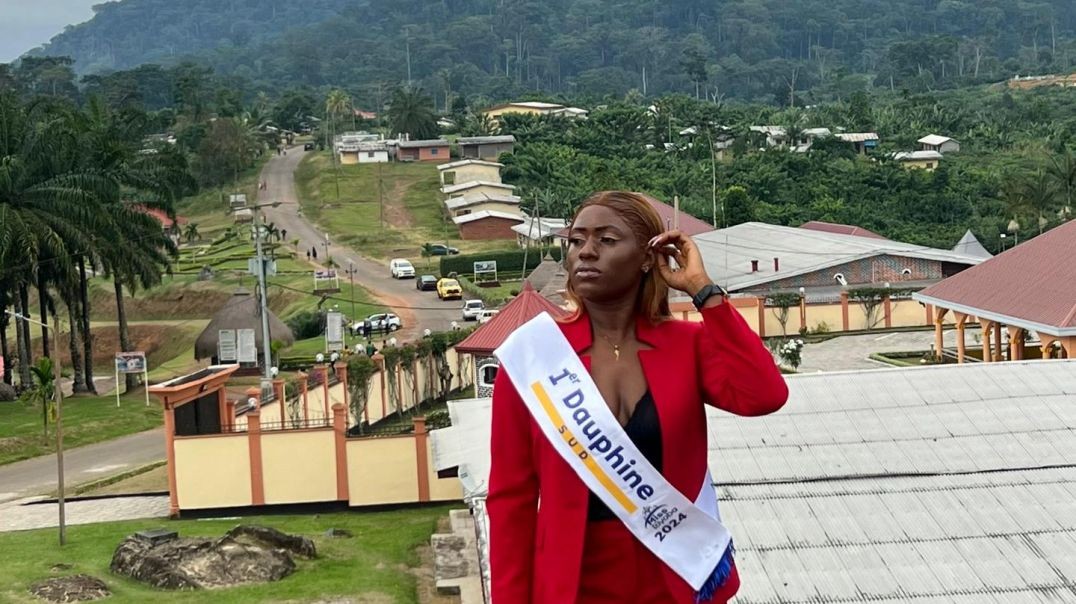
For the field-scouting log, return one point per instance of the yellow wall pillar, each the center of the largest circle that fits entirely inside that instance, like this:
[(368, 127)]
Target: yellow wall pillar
[(939, 336), (998, 355), (1016, 343), (986, 328), (961, 320)]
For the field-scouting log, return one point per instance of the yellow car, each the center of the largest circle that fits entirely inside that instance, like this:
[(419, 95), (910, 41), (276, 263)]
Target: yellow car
[(449, 289)]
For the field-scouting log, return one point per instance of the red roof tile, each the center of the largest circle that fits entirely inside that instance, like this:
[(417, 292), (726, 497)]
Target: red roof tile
[(524, 307), (1034, 282), (841, 229), (161, 216)]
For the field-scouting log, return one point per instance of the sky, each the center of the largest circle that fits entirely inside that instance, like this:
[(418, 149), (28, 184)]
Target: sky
[(25, 24)]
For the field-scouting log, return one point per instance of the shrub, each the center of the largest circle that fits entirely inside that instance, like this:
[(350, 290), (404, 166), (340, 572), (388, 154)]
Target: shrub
[(306, 324), (7, 393), (507, 260)]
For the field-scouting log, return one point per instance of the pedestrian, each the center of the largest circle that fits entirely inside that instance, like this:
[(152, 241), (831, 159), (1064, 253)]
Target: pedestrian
[(308, 255), (314, 252), (284, 234)]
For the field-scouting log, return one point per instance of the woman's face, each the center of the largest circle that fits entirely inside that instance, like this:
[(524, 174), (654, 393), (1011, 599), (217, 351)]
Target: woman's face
[(605, 258)]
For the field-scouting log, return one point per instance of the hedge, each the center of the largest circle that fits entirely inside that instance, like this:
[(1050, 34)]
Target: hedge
[(507, 260)]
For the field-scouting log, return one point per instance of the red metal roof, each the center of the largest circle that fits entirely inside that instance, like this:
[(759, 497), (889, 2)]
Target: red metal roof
[(160, 215), (841, 229), (524, 307), (1034, 282), (688, 225)]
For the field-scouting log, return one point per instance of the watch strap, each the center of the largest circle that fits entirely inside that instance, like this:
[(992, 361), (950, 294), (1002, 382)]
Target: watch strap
[(707, 292)]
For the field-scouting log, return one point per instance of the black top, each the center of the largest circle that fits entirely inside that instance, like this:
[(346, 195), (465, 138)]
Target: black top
[(644, 430)]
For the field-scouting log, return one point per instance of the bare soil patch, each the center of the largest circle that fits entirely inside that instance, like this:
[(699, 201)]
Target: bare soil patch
[(396, 214)]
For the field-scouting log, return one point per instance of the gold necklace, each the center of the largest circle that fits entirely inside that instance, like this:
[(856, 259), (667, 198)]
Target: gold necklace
[(616, 346)]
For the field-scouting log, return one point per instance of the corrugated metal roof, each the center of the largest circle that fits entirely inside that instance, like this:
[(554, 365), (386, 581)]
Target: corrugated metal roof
[(934, 139), (520, 309), (970, 245), (439, 142), (857, 137), (471, 184), (842, 229), (469, 162), (728, 253), (1032, 285), (455, 203), (952, 483), (486, 140)]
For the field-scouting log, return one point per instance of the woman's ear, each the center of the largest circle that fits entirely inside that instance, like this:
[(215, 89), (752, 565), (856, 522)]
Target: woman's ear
[(649, 262)]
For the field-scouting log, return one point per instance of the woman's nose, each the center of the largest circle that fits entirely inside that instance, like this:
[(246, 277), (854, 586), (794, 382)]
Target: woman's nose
[(588, 250)]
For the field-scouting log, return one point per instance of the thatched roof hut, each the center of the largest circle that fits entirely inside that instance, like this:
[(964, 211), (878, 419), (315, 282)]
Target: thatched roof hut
[(544, 272), (240, 312)]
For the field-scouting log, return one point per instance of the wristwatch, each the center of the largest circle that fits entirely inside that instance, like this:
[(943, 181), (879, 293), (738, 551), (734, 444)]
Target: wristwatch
[(706, 293)]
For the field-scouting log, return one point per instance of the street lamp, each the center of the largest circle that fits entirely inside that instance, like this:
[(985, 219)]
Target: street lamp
[(1003, 242), (267, 355), (57, 394)]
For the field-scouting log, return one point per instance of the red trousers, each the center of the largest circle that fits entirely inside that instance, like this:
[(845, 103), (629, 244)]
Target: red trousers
[(617, 569)]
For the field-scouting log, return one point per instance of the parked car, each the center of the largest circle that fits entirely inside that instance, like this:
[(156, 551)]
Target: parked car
[(400, 268), (486, 314), (449, 289), (308, 146), (426, 283), (439, 249), (471, 308), (378, 322)]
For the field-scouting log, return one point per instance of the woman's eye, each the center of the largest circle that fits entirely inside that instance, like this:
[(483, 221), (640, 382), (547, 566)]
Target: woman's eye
[(608, 240), (575, 241)]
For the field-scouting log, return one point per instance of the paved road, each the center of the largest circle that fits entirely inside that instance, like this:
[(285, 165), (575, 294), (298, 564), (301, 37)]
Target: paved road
[(38, 475), (848, 353), (417, 310)]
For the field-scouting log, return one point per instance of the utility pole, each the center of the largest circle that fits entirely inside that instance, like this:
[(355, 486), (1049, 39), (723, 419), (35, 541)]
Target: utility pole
[(267, 355), (57, 393), (351, 279), (380, 198)]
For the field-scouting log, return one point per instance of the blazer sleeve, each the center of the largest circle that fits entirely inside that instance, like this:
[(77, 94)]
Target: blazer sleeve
[(512, 500), (737, 372)]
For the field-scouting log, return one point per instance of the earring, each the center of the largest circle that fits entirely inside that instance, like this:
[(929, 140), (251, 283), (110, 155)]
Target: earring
[(646, 269)]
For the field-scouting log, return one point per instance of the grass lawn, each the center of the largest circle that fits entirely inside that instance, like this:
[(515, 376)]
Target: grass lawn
[(87, 420), (376, 565), (413, 211)]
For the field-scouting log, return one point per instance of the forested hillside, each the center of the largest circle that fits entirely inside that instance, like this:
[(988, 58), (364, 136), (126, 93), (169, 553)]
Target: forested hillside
[(772, 51)]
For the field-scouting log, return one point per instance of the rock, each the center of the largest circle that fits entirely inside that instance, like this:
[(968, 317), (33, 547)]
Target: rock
[(73, 588), (206, 274), (338, 533), (450, 562), (246, 554), (300, 546)]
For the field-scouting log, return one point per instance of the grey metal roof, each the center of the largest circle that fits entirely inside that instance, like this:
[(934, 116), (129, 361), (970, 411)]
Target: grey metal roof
[(486, 140), (435, 142), (727, 253), (951, 483), (970, 245)]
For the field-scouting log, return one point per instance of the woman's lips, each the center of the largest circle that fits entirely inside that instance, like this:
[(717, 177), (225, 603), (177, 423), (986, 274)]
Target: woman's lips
[(587, 273)]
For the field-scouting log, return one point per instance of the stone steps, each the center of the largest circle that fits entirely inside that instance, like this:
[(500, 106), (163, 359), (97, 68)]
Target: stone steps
[(456, 569)]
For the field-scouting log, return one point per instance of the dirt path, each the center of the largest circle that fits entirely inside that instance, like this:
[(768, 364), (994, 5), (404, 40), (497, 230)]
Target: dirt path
[(395, 212)]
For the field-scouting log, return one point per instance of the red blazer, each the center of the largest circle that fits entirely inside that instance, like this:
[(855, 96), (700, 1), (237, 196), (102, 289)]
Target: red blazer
[(536, 551)]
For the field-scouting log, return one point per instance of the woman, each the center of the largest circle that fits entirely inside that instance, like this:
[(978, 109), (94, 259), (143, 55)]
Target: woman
[(654, 373)]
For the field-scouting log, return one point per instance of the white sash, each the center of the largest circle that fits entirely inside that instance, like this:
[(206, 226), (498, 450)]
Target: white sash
[(572, 414)]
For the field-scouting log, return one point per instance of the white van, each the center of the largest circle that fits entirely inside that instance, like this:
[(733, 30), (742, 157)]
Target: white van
[(401, 269)]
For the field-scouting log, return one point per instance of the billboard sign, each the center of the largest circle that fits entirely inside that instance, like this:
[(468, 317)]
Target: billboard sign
[(130, 362)]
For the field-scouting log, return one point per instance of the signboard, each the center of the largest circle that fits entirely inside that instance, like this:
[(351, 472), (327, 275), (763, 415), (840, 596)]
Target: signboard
[(334, 332), (248, 349), (226, 346), (485, 270), (326, 280), (130, 362)]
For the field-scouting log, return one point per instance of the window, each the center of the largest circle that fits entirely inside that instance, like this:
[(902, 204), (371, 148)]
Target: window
[(434, 150), (487, 374), (369, 154), (930, 165)]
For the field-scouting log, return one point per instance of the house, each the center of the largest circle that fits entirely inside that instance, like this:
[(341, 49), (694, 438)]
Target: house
[(862, 142), (758, 258), (775, 135), (485, 147), (924, 160), (364, 115), (534, 108), (478, 202), (1028, 82), (434, 150), (1030, 289), (808, 136), (476, 187), (842, 229), (467, 170), (487, 224), (941, 144), (926, 484), (489, 336), (168, 223), (538, 230), (371, 152)]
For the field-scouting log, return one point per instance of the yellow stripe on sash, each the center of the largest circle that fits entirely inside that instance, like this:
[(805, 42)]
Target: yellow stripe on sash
[(588, 459)]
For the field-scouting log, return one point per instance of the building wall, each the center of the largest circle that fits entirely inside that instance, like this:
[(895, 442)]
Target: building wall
[(373, 157), (495, 206), (299, 465), (430, 154), (382, 470), (481, 189), (866, 271), (213, 471), (496, 113), (489, 228), (468, 173), (479, 361), (922, 164), (489, 151)]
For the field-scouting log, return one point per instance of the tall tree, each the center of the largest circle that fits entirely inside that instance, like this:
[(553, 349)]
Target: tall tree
[(411, 112)]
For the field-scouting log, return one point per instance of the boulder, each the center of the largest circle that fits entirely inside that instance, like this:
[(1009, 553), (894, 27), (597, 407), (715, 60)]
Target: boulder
[(73, 588), (246, 554)]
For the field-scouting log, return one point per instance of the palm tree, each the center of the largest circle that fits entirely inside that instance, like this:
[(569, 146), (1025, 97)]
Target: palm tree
[(43, 390), (1062, 170), (336, 103), (411, 112), (191, 232)]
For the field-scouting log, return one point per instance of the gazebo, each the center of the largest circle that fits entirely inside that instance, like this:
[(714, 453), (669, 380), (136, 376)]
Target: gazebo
[(235, 328), (484, 340), (1031, 288)]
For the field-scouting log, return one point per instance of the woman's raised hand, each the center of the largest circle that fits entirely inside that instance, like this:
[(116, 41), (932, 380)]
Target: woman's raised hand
[(690, 275)]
